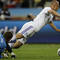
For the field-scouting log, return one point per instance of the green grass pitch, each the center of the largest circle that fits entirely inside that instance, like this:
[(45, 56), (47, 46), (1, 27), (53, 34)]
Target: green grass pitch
[(36, 52)]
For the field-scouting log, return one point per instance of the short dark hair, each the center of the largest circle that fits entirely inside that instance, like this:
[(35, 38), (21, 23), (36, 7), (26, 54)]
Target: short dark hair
[(8, 35)]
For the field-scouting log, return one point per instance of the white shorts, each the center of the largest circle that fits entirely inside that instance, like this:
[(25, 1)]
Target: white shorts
[(28, 29)]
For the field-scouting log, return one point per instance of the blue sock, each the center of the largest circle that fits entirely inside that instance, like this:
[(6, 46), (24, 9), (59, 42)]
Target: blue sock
[(1, 56)]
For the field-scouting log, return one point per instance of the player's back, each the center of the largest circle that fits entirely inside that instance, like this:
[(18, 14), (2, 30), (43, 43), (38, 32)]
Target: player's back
[(42, 18)]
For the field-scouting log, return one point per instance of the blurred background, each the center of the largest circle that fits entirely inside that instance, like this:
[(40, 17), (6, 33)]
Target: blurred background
[(24, 3)]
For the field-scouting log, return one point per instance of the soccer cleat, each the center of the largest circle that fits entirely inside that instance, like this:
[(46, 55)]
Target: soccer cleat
[(5, 55), (13, 55)]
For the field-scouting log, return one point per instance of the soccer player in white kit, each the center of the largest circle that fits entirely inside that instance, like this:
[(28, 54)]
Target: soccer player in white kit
[(43, 18)]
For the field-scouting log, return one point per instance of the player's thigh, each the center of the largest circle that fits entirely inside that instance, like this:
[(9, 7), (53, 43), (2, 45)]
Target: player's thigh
[(27, 29)]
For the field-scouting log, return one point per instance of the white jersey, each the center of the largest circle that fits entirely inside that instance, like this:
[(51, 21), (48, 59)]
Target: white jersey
[(42, 18)]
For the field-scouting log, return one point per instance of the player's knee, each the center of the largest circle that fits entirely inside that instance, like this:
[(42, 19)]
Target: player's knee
[(17, 44)]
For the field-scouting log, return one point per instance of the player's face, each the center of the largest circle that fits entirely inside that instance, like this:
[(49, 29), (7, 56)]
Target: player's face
[(55, 6)]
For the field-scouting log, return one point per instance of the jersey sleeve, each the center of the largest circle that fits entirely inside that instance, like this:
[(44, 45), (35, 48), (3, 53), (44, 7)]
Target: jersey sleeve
[(51, 18)]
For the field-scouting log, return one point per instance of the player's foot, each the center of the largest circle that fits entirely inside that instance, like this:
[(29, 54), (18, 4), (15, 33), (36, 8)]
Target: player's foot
[(5, 55), (13, 55)]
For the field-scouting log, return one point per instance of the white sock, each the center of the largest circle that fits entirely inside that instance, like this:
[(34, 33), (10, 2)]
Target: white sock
[(14, 37), (11, 44), (22, 40), (12, 53)]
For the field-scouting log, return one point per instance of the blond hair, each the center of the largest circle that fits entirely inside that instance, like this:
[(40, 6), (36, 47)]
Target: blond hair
[(54, 2)]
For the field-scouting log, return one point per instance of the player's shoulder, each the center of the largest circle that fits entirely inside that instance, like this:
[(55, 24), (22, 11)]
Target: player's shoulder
[(47, 8)]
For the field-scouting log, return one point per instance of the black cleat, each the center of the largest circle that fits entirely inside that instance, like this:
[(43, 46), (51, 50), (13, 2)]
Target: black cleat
[(13, 56)]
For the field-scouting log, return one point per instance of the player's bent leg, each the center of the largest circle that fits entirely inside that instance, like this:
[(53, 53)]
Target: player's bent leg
[(26, 31), (17, 44), (19, 41)]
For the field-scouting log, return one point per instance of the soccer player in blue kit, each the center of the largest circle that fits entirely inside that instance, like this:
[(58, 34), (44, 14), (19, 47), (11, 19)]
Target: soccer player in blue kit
[(4, 39)]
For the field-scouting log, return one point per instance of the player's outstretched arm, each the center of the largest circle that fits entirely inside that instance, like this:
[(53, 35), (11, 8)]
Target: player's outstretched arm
[(28, 17), (54, 27)]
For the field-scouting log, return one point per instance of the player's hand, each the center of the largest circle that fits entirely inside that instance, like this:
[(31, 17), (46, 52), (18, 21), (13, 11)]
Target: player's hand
[(29, 15)]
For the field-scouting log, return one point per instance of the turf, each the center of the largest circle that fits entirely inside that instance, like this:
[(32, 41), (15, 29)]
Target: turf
[(36, 52)]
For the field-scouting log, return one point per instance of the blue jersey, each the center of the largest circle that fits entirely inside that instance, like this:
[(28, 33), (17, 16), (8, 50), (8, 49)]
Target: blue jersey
[(2, 42)]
